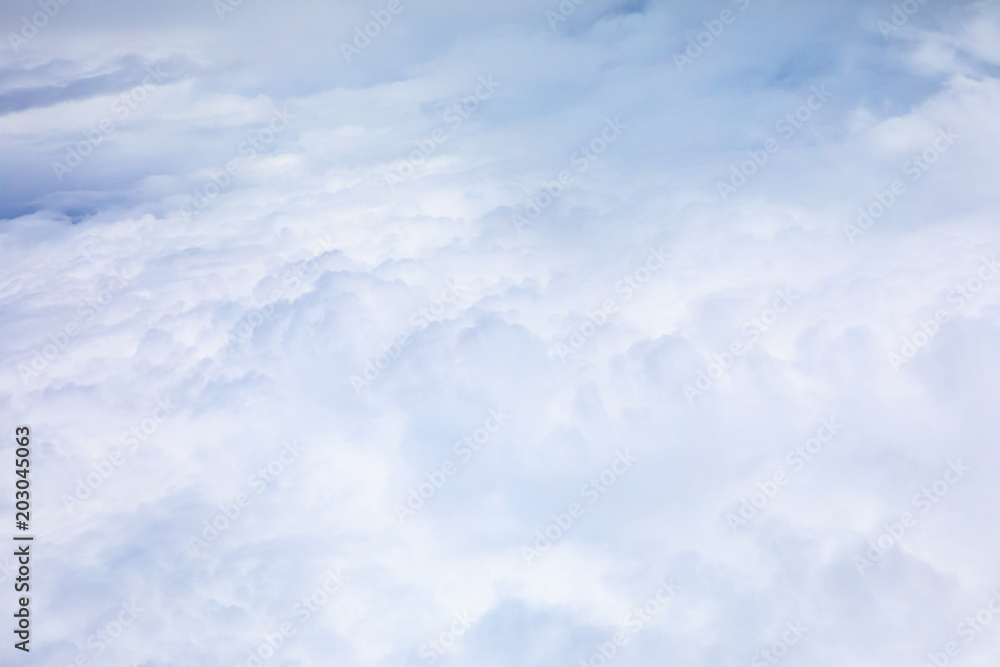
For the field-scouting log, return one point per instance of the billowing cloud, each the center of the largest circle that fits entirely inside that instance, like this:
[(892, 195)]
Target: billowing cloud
[(509, 333)]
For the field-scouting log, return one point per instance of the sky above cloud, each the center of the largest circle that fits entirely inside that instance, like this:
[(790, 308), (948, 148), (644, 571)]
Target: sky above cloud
[(504, 330)]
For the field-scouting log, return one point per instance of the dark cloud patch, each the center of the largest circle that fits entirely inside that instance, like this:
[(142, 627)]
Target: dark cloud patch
[(125, 74)]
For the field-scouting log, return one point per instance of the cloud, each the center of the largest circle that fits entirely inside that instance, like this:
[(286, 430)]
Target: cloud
[(849, 227)]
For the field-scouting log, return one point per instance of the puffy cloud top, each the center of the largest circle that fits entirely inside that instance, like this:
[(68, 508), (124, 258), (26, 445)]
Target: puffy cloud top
[(504, 333)]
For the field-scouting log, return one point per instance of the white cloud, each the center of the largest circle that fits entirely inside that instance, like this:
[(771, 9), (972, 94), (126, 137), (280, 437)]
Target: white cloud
[(252, 316)]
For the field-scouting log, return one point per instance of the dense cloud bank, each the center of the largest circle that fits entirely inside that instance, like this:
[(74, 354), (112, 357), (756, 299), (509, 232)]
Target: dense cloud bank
[(509, 333)]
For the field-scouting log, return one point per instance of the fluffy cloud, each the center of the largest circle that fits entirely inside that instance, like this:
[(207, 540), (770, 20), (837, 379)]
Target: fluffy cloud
[(509, 325)]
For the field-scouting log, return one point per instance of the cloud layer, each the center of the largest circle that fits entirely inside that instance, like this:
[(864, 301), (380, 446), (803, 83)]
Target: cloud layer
[(506, 333)]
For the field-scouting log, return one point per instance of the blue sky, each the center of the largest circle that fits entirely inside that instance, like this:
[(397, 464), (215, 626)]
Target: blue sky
[(524, 333)]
